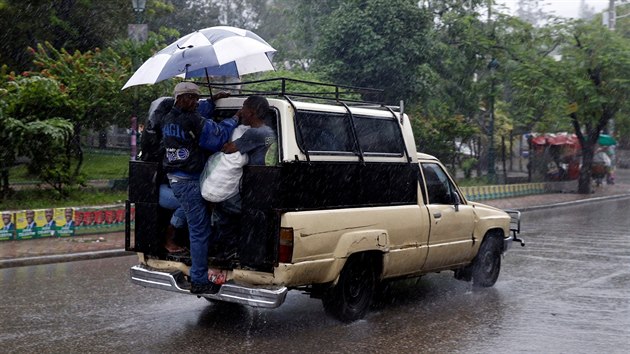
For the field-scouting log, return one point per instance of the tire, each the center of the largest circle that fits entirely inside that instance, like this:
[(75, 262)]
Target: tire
[(487, 263), (350, 299)]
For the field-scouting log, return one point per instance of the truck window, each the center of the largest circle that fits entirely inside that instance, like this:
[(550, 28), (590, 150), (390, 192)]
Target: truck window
[(324, 132), (439, 186), (379, 135)]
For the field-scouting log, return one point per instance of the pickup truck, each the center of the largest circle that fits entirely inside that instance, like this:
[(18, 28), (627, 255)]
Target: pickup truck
[(343, 204)]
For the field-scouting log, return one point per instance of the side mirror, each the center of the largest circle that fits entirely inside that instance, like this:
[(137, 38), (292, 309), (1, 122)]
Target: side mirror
[(456, 201)]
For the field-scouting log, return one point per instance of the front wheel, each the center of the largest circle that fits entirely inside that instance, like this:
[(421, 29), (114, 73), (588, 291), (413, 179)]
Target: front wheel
[(487, 264), (350, 299)]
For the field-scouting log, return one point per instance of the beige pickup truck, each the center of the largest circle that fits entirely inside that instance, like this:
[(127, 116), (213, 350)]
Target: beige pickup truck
[(344, 203)]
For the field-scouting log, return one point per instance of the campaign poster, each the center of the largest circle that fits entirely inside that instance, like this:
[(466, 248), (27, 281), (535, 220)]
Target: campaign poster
[(79, 218), (65, 227), (120, 215), (99, 217), (53, 218), (111, 217), (26, 224), (8, 226)]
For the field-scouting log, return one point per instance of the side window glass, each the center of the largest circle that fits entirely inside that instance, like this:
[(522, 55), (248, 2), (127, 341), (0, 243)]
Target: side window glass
[(439, 187), (324, 131), (379, 135)]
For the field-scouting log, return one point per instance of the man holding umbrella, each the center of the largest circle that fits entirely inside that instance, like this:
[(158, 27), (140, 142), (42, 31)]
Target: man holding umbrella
[(186, 137)]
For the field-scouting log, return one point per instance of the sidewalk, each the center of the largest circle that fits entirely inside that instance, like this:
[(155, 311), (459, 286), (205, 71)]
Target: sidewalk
[(50, 250)]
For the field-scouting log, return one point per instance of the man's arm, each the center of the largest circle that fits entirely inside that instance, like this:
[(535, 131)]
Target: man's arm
[(214, 135)]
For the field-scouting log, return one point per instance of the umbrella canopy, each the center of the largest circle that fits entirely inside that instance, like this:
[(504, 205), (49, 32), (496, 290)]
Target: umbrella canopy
[(606, 140), (213, 51)]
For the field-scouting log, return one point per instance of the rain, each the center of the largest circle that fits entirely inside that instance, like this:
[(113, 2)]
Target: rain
[(355, 219)]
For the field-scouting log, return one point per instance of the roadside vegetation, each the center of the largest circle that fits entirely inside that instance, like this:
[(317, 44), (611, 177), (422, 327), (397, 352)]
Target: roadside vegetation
[(101, 166), (467, 72)]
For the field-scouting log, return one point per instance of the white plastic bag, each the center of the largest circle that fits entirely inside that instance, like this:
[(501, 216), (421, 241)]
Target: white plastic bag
[(222, 174)]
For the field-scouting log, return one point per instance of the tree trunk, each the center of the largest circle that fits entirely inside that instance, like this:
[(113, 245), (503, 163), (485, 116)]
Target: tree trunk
[(4, 182), (76, 143), (584, 182)]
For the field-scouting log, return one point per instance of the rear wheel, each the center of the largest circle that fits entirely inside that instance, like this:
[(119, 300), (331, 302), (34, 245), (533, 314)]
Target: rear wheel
[(487, 264), (350, 299)]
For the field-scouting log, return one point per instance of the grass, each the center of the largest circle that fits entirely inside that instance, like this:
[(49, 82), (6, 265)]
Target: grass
[(97, 165), (34, 198)]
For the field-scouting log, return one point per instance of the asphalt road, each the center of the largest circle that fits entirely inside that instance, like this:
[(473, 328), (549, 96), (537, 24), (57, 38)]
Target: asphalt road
[(565, 292)]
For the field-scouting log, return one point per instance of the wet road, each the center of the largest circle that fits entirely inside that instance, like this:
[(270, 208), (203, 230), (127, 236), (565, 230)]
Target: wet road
[(567, 291)]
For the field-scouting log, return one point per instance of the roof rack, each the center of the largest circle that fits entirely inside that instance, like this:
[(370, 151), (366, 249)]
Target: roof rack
[(286, 87)]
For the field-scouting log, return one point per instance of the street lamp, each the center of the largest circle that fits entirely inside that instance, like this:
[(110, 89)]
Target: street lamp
[(138, 8), (492, 66), (138, 33)]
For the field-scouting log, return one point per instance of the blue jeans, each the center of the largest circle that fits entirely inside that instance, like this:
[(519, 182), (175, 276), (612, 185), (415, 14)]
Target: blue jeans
[(168, 201), (226, 220), (188, 192)]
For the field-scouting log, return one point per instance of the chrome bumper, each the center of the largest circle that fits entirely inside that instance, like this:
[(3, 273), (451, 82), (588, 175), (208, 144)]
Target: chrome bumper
[(255, 296), (507, 243)]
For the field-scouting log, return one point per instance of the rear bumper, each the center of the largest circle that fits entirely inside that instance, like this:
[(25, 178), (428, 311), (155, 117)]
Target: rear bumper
[(255, 296)]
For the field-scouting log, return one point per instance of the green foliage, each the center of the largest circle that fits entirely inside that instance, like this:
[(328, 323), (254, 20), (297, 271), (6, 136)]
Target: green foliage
[(74, 25), (34, 107), (376, 43), (436, 136), (297, 86), (98, 166), (293, 27), (92, 80), (468, 165)]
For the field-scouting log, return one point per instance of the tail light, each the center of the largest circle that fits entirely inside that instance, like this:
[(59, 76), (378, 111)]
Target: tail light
[(285, 250)]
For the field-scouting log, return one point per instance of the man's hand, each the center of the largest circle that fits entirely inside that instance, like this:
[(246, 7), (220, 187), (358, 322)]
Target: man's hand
[(219, 95), (229, 148)]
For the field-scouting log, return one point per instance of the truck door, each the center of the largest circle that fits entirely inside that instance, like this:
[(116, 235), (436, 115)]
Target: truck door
[(452, 223)]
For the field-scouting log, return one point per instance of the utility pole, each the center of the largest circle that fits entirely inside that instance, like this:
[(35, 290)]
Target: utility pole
[(492, 66), (611, 15)]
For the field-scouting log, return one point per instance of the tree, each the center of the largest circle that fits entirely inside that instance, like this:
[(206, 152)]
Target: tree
[(596, 63), (93, 81), (34, 127), (294, 28), (536, 99), (74, 25), (376, 43)]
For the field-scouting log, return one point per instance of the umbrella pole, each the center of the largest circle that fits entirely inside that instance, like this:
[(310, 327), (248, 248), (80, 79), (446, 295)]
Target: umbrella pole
[(208, 82)]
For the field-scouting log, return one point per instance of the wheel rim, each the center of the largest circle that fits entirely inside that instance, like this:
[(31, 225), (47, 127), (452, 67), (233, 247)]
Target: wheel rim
[(489, 263), (357, 285)]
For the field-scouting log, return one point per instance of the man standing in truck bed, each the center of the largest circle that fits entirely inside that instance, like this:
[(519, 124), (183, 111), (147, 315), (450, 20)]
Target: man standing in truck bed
[(185, 136)]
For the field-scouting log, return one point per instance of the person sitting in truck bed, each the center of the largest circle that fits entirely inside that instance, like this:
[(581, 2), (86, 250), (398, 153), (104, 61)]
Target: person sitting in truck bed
[(254, 142)]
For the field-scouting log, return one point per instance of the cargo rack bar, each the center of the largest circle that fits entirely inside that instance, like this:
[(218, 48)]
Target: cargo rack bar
[(338, 93)]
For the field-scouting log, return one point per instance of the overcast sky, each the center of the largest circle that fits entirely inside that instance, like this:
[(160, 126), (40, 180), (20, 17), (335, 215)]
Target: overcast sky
[(564, 8)]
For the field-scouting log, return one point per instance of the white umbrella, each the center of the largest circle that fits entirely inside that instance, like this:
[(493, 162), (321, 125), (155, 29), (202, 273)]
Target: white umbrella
[(213, 51)]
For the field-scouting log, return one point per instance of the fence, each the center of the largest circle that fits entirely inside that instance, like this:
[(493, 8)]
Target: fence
[(62, 222)]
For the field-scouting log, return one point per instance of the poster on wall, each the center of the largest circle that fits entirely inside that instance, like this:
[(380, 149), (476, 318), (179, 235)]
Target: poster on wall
[(65, 227), (8, 226), (53, 219), (26, 224)]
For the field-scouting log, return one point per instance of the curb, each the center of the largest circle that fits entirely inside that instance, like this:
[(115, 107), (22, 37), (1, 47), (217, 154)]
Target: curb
[(574, 202), (60, 258)]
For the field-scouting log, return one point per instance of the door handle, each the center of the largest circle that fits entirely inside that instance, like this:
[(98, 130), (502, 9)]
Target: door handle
[(437, 215)]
